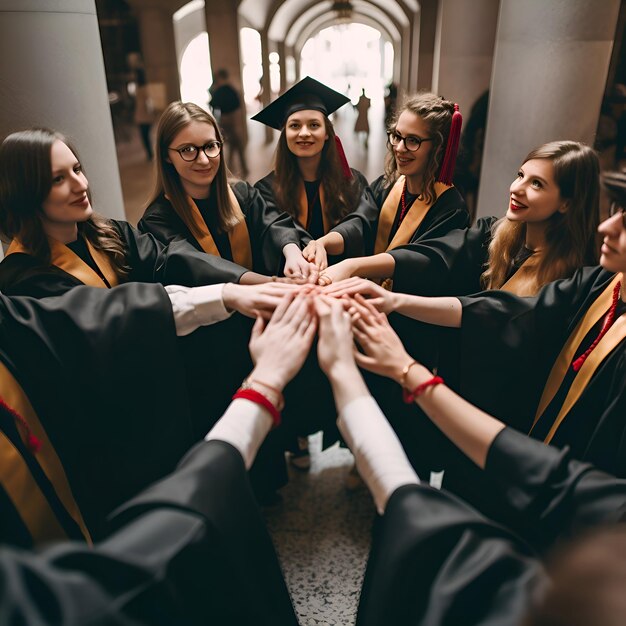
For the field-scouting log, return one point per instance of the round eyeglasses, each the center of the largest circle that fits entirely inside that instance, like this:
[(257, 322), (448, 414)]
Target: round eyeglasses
[(211, 149), (616, 208), (412, 144)]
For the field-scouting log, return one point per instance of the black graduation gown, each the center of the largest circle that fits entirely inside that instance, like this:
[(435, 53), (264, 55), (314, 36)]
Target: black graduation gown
[(446, 265), (149, 260), (447, 213), (218, 353), (508, 346), (270, 230), (111, 397), (355, 228), (192, 549), (512, 343), (435, 561)]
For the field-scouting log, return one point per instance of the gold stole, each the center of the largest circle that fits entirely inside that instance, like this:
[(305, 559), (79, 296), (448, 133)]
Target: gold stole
[(303, 207), (17, 479), (611, 339), (68, 261), (238, 237), (524, 282), (411, 222)]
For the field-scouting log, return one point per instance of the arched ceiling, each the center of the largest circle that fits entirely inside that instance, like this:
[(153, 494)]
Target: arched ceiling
[(287, 12), (319, 17)]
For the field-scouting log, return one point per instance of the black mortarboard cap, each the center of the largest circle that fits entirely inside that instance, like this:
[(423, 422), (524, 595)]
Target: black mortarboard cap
[(305, 94)]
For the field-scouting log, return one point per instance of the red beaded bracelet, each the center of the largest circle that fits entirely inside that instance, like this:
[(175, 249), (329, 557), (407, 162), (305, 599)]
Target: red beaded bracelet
[(259, 398), (410, 396)]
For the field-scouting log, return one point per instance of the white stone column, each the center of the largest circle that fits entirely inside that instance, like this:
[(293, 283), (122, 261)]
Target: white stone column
[(464, 43), (52, 74), (550, 67)]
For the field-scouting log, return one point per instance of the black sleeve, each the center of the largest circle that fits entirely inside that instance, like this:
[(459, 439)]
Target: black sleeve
[(557, 494), (270, 229), (191, 550), (444, 266), (435, 561), (448, 213), (177, 263), (358, 228), (508, 344), (266, 189)]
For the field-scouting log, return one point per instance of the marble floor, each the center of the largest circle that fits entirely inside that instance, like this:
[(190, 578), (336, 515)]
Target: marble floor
[(321, 530)]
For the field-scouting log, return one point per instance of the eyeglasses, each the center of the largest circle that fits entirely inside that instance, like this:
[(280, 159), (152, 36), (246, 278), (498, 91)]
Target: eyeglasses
[(616, 208), (412, 144), (190, 153)]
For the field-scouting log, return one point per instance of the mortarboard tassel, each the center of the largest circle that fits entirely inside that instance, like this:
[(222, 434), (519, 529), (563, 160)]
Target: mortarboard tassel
[(446, 171), (608, 322), (32, 443), (347, 172)]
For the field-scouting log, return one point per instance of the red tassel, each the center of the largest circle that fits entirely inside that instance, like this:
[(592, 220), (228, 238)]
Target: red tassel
[(32, 443), (446, 171), (608, 322), (347, 172)]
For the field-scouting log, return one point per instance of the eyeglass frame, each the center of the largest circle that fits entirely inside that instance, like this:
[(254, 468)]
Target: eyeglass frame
[(220, 144), (402, 139), (615, 208)]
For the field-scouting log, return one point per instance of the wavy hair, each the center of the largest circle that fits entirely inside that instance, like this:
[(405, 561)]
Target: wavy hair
[(177, 116), (571, 237), (437, 115), (26, 181), (340, 193)]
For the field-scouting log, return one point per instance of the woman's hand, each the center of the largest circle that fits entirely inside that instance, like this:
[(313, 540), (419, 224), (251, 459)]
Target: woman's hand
[(335, 346), (279, 347), (382, 299), (297, 267), (383, 352), (335, 273), (315, 252), (255, 300)]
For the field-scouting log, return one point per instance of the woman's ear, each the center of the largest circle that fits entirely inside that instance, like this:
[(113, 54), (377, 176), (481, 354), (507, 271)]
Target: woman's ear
[(564, 208)]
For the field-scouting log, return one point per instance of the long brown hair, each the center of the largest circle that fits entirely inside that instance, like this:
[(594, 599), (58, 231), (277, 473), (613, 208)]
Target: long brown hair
[(177, 116), (26, 181), (340, 193), (437, 115), (571, 237)]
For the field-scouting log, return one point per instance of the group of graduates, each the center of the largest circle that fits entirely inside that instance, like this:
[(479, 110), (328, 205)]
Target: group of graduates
[(494, 352)]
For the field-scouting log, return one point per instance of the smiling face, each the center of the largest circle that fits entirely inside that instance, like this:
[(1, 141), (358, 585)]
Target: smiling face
[(195, 176), (67, 202), (412, 164), (534, 194), (305, 133)]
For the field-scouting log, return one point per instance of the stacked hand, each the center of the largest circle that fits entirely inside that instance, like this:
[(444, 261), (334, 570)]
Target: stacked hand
[(281, 346)]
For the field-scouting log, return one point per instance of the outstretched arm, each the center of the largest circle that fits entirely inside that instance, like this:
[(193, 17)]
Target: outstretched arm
[(442, 311), (379, 455)]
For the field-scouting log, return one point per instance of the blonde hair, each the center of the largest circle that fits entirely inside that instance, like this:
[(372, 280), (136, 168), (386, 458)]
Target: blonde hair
[(177, 116), (571, 237)]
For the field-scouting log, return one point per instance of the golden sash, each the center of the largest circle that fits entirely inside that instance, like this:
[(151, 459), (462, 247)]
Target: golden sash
[(238, 237), (611, 339), (68, 261), (411, 222), (303, 207), (524, 282), (17, 479)]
